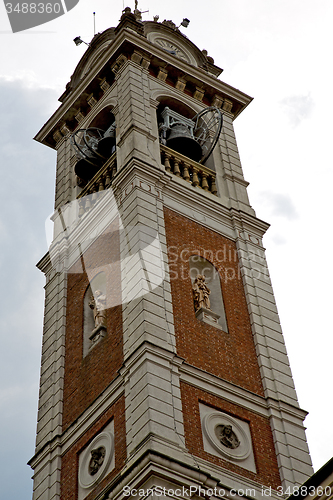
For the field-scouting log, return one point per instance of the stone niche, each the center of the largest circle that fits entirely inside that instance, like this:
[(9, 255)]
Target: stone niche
[(215, 315)]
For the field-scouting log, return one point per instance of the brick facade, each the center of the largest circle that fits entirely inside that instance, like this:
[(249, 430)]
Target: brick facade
[(262, 440), (70, 461), (230, 356), (86, 377)]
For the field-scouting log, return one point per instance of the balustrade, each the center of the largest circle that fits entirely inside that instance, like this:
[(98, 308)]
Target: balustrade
[(101, 181), (189, 170)]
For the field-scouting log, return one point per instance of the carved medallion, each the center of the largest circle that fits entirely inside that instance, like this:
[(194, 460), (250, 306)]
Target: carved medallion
[(227, 436), (97, 459)]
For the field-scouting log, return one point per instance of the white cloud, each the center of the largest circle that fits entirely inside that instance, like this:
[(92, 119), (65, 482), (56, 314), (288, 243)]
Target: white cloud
[(298, 108), (279, 204)]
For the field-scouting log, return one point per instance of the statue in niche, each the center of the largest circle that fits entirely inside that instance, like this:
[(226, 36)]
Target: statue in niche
[(97, 459), (201, 293), (227, 436), (98, 304)]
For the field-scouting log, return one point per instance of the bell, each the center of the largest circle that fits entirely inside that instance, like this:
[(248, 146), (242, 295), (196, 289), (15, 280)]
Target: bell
[(86, 170), (106, 145), (180, 140)]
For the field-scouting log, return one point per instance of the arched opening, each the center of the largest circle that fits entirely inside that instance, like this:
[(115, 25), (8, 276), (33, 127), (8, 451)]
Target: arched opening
[(187, 132), (175, 105), (94, 145), (103, 119), (207, 291)]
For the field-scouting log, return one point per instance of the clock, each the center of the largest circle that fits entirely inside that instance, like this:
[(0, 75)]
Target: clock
[(171, 48)]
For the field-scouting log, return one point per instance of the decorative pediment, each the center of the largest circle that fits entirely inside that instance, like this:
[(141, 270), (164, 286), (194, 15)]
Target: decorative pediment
[(96, 48), (168, 37)]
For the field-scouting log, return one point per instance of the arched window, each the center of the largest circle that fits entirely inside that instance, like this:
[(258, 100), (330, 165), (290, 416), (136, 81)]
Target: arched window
[(94, 312), (207, 293), (177, 130)]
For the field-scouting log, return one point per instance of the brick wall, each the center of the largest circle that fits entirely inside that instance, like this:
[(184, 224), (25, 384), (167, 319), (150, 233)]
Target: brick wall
[(231, 355), (69, 468), (262, 440), (86, 377)]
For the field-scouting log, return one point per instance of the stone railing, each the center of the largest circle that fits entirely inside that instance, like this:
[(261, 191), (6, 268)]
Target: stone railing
[(101, 180), (191, 171)]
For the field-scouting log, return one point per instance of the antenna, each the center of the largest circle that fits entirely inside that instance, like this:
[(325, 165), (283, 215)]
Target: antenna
[(94, 13)]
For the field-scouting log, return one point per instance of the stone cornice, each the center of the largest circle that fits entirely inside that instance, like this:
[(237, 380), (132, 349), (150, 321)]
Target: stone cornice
[(83, 422), (44, 263), (236, 394), (178, 195)]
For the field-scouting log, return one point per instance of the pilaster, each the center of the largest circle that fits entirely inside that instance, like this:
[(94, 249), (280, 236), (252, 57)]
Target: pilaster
[(137, 133), (294, 462), (146, 297), (154, 418), (64, 172), (53, 353)]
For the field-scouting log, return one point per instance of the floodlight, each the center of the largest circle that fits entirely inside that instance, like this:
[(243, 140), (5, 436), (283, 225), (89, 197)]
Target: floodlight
[(77, 40), (185, 22)]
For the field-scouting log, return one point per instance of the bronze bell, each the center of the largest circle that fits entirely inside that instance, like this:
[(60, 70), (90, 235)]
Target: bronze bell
[(180, 140), (87, 167), (106, 145)]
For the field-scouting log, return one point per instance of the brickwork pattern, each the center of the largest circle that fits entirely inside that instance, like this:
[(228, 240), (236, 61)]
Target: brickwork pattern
[(232, 355), (69, 469), (262, 440), (86, 378)]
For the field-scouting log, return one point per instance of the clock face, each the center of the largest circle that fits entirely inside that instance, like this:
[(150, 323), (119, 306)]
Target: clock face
[(171, 48)]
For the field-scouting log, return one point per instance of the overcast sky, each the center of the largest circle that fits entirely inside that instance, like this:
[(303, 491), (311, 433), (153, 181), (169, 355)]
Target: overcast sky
[(277, 51)]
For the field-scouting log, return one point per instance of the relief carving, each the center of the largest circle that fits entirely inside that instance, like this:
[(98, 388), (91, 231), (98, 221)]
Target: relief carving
[(227, 436), (97, 459)]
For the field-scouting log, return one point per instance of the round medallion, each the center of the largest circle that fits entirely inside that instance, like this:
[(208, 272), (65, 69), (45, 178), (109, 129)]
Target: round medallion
[(96, 460), (226, 436)]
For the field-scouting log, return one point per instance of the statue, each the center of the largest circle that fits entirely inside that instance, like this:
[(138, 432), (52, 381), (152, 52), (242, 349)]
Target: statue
[(98, 304), (97, 459), (137, 12), (227, 437), (201, 293)]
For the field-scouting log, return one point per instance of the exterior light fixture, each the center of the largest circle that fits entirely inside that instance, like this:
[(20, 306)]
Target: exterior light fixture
[(77, 40), (185, 22)]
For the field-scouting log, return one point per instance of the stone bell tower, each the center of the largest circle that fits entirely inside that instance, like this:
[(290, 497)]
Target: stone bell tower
[(164, 371)]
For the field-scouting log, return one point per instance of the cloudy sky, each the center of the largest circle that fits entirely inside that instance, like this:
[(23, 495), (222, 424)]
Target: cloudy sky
[(279, 52)]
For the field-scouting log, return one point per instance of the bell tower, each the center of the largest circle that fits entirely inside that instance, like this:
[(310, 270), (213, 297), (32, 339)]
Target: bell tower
[(164, 370)]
